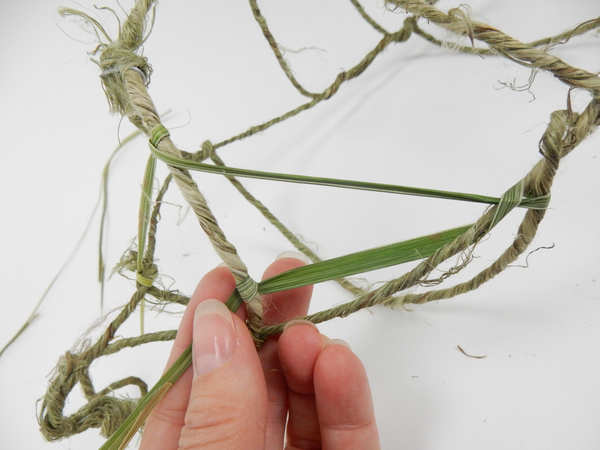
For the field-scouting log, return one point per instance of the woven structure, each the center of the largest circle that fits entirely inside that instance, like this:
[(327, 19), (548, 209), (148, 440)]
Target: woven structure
[(126, 74)]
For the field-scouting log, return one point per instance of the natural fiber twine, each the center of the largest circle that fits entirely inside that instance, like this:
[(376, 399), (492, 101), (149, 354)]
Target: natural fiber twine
[(125, 77)]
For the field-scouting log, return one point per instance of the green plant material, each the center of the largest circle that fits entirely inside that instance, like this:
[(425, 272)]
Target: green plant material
[(365, 261), (143, 222), (509, 201), (144, 213), (531, 203), (354, 263)]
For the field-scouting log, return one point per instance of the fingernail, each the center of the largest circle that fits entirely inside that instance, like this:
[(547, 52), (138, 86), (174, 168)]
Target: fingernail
[(295, 322), (336, 342), (294, 255), (214, 336)]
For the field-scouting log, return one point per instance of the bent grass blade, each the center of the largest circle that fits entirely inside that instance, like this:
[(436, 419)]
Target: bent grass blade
[(531, 203)]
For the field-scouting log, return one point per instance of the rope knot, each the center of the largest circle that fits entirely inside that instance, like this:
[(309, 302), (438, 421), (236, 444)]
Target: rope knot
[(407, 29), (207, 150), (128, 262), (116, 59), (248, 289), (117, 56)]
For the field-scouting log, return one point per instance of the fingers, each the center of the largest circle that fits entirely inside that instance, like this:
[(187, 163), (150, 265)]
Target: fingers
[(285, 305), (163, 426), (330, 401), (236, 400), (280, 307), (344, 401), (228, 401), (299, 348)]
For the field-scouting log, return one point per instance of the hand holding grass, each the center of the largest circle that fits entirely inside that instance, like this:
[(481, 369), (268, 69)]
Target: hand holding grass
[(237, 398)]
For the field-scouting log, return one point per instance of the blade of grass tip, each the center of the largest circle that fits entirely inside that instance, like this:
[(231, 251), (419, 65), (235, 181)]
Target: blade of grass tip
[(104, 197), (365, 261), (34, 314), (29, 321)]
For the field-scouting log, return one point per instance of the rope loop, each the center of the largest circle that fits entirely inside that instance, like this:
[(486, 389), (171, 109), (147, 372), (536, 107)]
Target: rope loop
[(157, 134), (143, 280), (147, 275), (248, 289)]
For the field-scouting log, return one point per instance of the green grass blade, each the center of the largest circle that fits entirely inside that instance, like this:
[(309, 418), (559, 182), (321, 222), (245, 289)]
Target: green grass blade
[(145, 209), (143, 223), (234, 301), (537, 203), (365, 261), (509, 201)]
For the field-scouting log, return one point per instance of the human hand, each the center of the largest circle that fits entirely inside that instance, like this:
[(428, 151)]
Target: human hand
[(237, 398)]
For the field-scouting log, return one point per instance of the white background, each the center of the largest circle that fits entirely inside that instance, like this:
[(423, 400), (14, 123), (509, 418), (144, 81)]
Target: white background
[(419, 116)]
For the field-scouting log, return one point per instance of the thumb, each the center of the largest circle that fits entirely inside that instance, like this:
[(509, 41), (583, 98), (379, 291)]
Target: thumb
[(228, 401)]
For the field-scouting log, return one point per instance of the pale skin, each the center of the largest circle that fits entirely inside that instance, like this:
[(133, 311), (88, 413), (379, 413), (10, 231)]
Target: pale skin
[(242, 399)]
